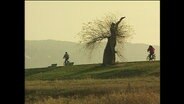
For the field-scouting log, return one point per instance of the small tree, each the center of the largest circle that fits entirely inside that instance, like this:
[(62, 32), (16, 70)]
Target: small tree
[(116, 33)]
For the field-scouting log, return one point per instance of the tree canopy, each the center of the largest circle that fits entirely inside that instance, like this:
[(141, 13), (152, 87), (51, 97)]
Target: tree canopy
[(96, 31)]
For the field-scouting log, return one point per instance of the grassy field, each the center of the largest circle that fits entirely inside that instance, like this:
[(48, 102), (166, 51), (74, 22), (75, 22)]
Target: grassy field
[(124, 83)]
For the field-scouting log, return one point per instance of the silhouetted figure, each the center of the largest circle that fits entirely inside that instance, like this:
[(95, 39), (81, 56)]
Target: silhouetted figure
[(151, 50), (109, 54), (66, 57)]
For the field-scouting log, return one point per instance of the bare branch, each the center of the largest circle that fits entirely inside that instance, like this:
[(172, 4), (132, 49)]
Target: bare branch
[(94, 32)]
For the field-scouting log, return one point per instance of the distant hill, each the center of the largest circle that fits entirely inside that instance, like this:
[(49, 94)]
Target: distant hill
[(42, 53)]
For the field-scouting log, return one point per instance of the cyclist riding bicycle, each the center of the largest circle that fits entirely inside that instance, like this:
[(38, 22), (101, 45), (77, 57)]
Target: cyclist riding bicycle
[(151, 50)]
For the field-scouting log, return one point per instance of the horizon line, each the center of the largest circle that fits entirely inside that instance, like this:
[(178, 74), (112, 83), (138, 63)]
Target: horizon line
[(79, 42)]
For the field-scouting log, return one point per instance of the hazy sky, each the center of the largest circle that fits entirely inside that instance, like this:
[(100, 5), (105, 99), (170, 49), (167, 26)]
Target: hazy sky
[(62, 20)]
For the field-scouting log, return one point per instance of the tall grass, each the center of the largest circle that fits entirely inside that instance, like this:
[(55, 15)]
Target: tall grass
[(144, 97), (93, 91)]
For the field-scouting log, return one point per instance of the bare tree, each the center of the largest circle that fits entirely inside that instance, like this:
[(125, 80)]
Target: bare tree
[(94, 32)]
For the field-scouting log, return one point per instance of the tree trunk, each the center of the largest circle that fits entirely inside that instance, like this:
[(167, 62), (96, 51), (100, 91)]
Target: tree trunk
[(109, 52)]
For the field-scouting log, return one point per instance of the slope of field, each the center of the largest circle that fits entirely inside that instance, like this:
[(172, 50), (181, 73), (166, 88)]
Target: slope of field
[(124, 83), (95, 71)]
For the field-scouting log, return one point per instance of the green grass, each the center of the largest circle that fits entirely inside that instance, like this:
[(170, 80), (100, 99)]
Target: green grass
[(122, 70), (123, 83)]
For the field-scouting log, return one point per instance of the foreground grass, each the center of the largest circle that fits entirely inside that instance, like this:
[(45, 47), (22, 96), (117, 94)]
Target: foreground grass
[(124, 83), (94, 91), (112, 98)]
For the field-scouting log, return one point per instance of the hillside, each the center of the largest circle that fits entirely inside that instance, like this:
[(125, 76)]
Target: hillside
[(42, 53), (95, 71)]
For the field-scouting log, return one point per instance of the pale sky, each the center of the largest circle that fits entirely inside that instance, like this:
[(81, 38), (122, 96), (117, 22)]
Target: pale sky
[(62, 20)]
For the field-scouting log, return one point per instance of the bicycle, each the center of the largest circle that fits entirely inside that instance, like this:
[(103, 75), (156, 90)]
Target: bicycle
[(153, 58), (68, 63)]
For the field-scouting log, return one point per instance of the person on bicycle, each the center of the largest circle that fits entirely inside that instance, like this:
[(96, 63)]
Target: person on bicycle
[(151, 50), (66, 57)]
